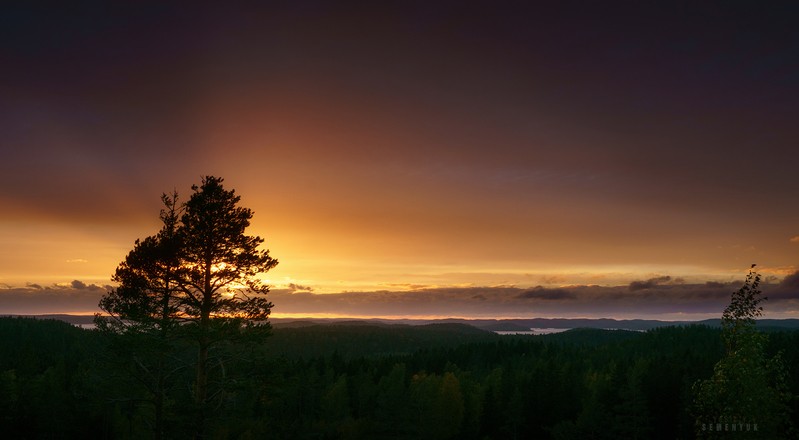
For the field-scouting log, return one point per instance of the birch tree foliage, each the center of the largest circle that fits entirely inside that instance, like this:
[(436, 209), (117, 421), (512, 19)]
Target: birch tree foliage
[(747, 393)]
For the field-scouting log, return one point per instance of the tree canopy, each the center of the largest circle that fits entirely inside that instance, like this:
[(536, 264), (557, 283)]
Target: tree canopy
[(747, 393), (196, 280)]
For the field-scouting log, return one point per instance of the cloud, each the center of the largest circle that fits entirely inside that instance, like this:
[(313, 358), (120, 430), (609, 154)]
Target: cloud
[(554, 279), (76, 297), (409, 286), (80, 285), (787, 291), (77, 260), (794, 239), (547, 294), (299, 288), (648, 284), (663, 297), (791, 281)]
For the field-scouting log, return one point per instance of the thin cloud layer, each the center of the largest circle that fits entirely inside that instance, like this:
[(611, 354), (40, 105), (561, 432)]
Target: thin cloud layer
[(648, 284), (652, 298), (299, 288), (75, 297), (547, 294)]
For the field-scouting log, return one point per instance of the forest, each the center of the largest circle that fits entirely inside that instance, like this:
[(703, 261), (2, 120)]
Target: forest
[(357, 380), (183, 348)]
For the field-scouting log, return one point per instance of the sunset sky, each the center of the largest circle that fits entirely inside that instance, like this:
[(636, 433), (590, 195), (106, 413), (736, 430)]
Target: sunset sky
[(413, 158)]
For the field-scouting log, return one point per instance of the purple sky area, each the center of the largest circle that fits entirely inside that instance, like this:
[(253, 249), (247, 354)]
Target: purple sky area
[(414, 158)]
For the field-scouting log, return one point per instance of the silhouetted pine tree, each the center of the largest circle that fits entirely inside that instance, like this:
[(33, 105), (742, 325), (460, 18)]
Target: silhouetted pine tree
[(197, 278)]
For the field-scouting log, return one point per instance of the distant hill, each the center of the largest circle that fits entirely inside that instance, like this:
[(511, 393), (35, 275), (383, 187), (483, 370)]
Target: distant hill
[(492, 325), (349, 339), (526, 324), (561, 323), (502, 326), (72, 319), (763, 324)]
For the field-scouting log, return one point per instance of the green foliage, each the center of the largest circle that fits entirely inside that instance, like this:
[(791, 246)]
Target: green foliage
[(46, 386), (352, 340), (55, 383), (738, 319), (747, 392), (439, 405)]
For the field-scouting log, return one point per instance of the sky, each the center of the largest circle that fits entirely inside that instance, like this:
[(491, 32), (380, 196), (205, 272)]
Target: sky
[(413, 158)]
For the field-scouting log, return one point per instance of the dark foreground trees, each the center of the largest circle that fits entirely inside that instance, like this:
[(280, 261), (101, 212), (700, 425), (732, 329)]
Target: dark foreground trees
[(195, 281), (748, 393), (426, 382)]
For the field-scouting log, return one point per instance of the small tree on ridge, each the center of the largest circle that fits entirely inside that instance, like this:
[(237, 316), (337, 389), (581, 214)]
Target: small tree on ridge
[(747, 394)]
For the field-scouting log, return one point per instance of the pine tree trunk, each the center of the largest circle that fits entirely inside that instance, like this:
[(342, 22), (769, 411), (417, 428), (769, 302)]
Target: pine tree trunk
[(202, 373), (201, 391), (201, 388), (159, 410)]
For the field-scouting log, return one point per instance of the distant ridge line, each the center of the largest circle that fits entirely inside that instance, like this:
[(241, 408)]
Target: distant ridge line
[(483, 324)]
